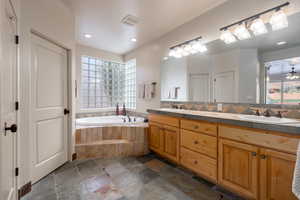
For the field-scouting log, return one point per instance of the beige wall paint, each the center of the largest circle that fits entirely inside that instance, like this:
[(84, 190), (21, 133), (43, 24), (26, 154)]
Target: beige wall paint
[(54, 21), (206, 25)]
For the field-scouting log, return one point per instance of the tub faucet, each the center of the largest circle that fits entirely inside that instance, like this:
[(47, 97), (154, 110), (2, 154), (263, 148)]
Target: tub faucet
[(129, 119)]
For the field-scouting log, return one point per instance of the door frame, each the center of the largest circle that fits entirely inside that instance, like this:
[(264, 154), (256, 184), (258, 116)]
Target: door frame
[(70, 146), (17, 82)]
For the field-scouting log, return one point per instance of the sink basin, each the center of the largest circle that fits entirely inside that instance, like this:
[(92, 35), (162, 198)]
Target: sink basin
[(274, 120)]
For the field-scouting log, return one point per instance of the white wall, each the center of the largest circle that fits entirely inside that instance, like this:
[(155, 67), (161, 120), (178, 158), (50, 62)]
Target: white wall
[(206, 25), (174, 73), (248, 76), (82, 50), (53, 20), (148, 62)]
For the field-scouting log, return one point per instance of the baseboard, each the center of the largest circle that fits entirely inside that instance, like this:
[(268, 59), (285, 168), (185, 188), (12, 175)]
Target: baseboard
[(25, 189), (74, 156)]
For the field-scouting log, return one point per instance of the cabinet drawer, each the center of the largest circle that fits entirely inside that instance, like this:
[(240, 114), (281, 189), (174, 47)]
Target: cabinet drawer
[(203, 127), (261, 138), (171, 121), (203, 165), (199, 142)]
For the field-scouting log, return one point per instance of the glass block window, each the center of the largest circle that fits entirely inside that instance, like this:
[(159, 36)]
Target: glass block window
[(130, 84), (102, 83)]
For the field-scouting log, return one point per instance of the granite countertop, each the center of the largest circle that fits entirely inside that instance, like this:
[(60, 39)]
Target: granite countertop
[(249, 121)]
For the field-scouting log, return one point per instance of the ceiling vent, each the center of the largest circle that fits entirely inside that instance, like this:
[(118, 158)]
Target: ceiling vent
[(130, 20)]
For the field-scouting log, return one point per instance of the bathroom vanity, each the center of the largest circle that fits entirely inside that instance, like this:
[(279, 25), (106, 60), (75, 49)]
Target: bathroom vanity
[(250, 157)]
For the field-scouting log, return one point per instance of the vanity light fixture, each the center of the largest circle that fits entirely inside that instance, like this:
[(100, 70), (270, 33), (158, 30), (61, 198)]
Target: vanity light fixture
[(279, 20), (242, 32), (228, 37), (254, 23), (186, 48), (133, 40), (258, 27)]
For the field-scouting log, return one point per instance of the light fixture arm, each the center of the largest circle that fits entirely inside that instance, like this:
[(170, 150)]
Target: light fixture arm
[(186, 42), (246, 20)]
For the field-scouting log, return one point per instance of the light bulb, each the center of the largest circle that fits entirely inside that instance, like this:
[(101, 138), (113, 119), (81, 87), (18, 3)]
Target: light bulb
[(187, 48), (172, 53), (202, 48), (242, 32), (279, 20), (227, 37), (258, 27), (178, 52)]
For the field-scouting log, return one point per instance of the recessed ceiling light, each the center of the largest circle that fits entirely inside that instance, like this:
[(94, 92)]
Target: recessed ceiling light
[(133, 39), (281, 43), (87, 35), (166, 58)]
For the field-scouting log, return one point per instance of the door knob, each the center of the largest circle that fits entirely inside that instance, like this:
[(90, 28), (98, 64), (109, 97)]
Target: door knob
[(66, 111), (13, 128)]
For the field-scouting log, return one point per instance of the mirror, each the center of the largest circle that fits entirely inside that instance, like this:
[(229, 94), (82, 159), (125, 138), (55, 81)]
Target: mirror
[(263, 69)]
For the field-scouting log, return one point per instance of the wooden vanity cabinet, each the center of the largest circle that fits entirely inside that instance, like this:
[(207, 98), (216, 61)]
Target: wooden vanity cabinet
[(164, 136), (238, 167), (255, 164), (156, 137), (248, 165), (276, 175)]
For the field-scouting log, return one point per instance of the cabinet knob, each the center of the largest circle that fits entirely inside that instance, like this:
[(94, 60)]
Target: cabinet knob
[(196, 142), (263, 156), (196, 127), (195, 162), (254, 153)]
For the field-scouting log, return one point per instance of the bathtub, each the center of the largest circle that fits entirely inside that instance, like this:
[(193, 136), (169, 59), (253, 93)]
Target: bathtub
[(110, 136), (105, 121)]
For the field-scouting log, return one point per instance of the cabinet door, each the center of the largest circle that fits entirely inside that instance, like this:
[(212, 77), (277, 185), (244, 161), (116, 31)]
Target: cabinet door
[(276, 175), (155, 138), (171, 138), (238, 167)]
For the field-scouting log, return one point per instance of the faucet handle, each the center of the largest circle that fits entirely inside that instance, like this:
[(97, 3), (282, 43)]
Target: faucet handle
[(257, 113), (267, 113), (280, 112)]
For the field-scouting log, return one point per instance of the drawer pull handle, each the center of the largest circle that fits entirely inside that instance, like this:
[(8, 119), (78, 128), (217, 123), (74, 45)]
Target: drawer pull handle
[(254, 153), (196, 142), (195, 162)]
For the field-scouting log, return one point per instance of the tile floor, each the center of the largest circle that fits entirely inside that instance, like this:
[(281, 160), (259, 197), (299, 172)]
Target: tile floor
[(142, 178)]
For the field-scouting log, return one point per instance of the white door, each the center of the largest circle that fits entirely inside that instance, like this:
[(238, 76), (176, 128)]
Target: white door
[(224, 87), (8, 97), (49, 99), (199, 87)]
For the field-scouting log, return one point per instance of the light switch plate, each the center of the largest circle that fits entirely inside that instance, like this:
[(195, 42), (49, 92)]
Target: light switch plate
[(220, 107)]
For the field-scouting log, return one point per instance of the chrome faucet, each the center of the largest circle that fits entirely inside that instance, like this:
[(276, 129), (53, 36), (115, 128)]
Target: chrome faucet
[(129, 119), (267, 113)]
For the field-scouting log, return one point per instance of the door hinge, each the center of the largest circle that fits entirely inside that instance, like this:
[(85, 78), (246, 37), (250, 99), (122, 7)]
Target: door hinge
[(17, 39), (17, 171), (16, 105)]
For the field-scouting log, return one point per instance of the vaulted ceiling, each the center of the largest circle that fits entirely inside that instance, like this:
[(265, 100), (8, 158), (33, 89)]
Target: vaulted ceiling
[(102, 19)]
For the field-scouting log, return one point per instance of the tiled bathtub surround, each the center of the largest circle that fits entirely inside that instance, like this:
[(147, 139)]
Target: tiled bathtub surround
[(288, 111), (107, 142)]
